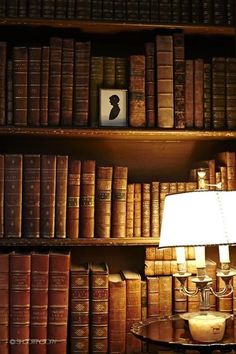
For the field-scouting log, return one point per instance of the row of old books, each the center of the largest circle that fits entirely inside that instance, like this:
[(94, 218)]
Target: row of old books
[(175, 11)]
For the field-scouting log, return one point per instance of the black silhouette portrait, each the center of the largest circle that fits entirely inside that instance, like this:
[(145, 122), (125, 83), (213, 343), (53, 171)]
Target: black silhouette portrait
[(114, 100)]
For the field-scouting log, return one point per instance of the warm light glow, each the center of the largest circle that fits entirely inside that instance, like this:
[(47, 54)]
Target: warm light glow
[(224, 254), (200, 257), (180, 255)]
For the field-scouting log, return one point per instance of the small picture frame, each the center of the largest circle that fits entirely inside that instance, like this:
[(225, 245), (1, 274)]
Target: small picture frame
[(113, 108)]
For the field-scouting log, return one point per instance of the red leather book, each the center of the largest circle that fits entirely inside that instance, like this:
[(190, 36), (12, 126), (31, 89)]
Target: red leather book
[(73, 198), (20, 269), (34, 68), (3, 71), (4, 306), (31, 196), (58, 302), (44, 80), (1, 195), (39, 302), (67, 81), (13, 195), (61, 196)]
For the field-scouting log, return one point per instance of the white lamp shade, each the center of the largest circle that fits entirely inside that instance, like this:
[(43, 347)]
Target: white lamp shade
[(199, 218)]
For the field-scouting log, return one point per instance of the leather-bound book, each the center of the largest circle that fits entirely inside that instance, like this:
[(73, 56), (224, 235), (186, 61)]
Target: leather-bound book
[(79, 308), (117, 313), (103, 190), (228, 160), (133, 308), (137, 113), (67, 81), (11, 8), (164, 11), (218, 93), (20, 269), (81, 83), (13, 195), (96, 9), (164, 190), (119, 197), (2, 9), (179, 80), (121, 72), (70, 9), (196, 11), (230, 67), (58, 302), (60, 9), (150, 84), (207, 12), (73, 198), (44, 82), (107, 10), (34, 9), (219, 9), (55, 64), (198, 93), (150, 253), (61, 196), (207, 96), (99, 308), (230, 12), (185, 11), (39, 302), (165, 93), (145, 210), (87, 199), (155, 200), (34, 55), (48, 195), (3, 71), (144, 11), (137, 210), (96, 81), (20, 85), (153, 293), (180, 300), (165, 295), (83, 9), (130, 210), (1, 196), (48, 8), (176, 11), (132, 11), (9, 93), (144, 307), (31, 195), (109, 72), (22, 8), (189, 93), (119, 10), (4, 306), (154, 13)]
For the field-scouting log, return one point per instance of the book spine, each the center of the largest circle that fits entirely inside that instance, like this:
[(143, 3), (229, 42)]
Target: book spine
[(130, 211), (109, 72), (61, 196), (81, 83), (44, 81), (119, 197), (196, 7), (154, 15), (185, 11), (4, 306), (39, 302), (55, 64), (207, 12), (60, 8), (219, 10), (155, 209), (48, 8), (165, 295), (119, 10), (67, 81), (103, 190), (132, 11), (230, 13), (96, 9), (34, 9), (164, 190), (31, 196), (150, 84), (3, 70), (137, 114), (164, 11), (121, 73), (144, 11), (218, 93), (231, 93), (9, 103), (96, 81), (83, 9), (207, 95), (70, 9), (146, 210), (2, 196), (87, 200), (137, 210), (34, 86), (20, 269), (179, 80), (189, 93), (11, 8), (198, 93), (2, 8), (13, 195), (176, 11), (47, 193), (22, 8), (107, 10), (20, 84), (165, 97), (73, 198), (153, 292)]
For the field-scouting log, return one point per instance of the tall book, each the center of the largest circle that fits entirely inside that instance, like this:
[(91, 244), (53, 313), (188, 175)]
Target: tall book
[(31, 195), (176, 11), (70, 9), (117, 313), (48, 8), (58, 302), (230, 67), (207, 96), (87, 199), (96, 82), (150, 84), (218, 93), (81, 83), (20, 270), (67, 82), (179, 80), (165, 295), (103, 191), (4, 307), (60, 8), (34, 76), (61, 195), (144, 11), (164, 11), (198, 93), (130, 210), (207, 12), (39, 302), (153, 292), (96, 9), (137, 210), (3, 82), (79, 308), (3, 8), (189, 93), (133, 308), (155, 201), (73, 198), (146, 210), (54, 90), (137, 113), (1, 196), (119, 10), (132, 11), (165, 93), (13, 177), (9, 93), (20, 85), (119, 196), (48, 195), (44, 82), (99, 308)]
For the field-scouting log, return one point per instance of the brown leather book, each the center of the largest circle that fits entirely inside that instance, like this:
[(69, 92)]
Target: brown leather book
[(87, 199), (109, 73), (61, 196), (34, 76), (67, 81), (31, 195), (218, 93), (130, 210), (121, 74), (99, 308), (22, 9), (155, 209), (96, 82), (144, 307), (3, 82), (81, 83), (189, 93), (54, 91), (180, 300), (58, 302), (165, 93), (103, 190), (1, 195), (119, 197), (137, 112), (13, 195), (230, 68), (4, 307), (137, 210), (79, 308), (207, 96), (73, 198), (198, 93), (9, 116), (153, 292), (19, 279), (228, 159), (117, 313), (165, 295), (39, 302), (150, 84), (146, 210), (164, 190), (44, 82), (48, 195), (133, 308), (20, 85), (179, 80), (48, 8)]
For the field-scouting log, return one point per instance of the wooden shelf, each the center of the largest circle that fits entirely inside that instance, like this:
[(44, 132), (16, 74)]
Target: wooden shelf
[(116, 27), (28, 242)]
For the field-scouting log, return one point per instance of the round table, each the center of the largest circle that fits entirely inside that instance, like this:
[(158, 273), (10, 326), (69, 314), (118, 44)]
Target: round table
[(172, 332)]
